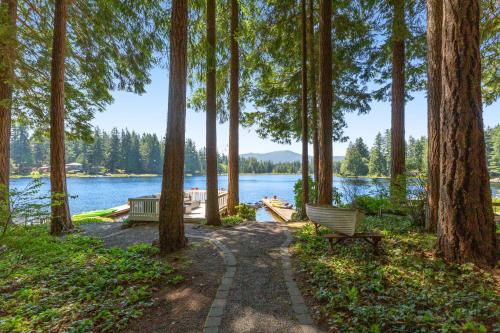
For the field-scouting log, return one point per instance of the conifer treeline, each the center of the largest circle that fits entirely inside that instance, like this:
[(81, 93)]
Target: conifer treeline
[(375, 162), (125, 152)]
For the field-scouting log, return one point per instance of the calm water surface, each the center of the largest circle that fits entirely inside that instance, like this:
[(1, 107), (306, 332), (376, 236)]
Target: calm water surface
[(103, 192)]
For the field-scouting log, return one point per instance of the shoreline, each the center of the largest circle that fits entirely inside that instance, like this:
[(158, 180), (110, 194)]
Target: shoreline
[(151, 175)]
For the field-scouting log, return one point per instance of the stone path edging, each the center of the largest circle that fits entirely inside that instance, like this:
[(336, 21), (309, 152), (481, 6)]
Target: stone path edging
[(214, 317), (299, 307)]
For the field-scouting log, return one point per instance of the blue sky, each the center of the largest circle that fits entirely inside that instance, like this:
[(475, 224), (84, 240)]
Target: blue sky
[(148, 113)]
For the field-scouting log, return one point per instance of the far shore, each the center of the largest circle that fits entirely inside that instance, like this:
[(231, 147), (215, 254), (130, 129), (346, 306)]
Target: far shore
[(145, 175)]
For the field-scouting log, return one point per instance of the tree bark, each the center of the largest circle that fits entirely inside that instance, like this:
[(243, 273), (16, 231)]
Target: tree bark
[(325, 103), (304, 114), (434, 58), (312, 89), (171, 219), (8, 45), (398, 181), (234, 115), (466, 227), (212, 204), (61, 218)]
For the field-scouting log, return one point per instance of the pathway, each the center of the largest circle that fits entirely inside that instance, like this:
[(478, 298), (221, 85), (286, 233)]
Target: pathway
[(257, 292)]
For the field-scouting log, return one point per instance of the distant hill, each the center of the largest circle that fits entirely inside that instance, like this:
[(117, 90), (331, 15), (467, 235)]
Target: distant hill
[(281, 156)]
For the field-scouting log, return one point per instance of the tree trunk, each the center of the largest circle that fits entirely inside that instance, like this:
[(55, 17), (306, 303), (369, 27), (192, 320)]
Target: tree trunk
[(434, 58), (398, 181), (61, 218), (212, 204), (304, 128), (466, 227), (312, 89), (8, 44), (234, 115), (171, 219), (325, 103)]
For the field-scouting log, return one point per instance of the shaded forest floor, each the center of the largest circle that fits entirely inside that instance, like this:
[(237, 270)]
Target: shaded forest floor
[(80, 283), (405, 289)]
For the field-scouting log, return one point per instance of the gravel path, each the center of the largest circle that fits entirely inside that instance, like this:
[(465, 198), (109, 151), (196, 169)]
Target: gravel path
[(255, 295)]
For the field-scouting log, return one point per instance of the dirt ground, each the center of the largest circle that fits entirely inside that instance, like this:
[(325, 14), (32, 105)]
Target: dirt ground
[(184, 307)]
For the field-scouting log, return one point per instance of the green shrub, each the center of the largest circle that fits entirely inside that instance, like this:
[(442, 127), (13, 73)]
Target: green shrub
[(371, 205), (231, 220), (246, 212)]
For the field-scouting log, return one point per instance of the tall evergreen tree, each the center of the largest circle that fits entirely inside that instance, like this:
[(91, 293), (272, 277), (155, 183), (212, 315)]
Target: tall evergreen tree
[(212, 202), (355, 161), (378, 164), (171, 219), (8, 44), (304, 112), (113, 159), (234, 113), (434, 59), (466, 227), (60, 218), (21, 153), (325, 176), (398, 182)]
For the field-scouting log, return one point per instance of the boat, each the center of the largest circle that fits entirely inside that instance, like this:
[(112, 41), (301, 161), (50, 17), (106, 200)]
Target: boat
[(280, 203), (341, 220)]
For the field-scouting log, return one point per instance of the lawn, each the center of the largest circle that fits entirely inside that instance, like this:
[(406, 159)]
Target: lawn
[(407, 289), (74, 284)]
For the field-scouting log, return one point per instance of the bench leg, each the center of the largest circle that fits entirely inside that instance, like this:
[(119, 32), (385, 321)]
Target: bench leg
[(376, 249), (330, 240), (316, 228)]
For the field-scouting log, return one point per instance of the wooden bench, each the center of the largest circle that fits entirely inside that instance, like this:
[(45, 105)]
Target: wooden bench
[(371, 238)]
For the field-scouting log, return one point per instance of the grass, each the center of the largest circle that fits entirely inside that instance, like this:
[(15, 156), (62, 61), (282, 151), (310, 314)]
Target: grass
[(405, 290), (49, 284)]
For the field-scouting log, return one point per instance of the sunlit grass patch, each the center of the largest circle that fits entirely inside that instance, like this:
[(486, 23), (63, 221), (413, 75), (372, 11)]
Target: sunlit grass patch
[(74, 284), (407, 289)]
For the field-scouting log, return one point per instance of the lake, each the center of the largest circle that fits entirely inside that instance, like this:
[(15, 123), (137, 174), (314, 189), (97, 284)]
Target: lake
[(105, 192)]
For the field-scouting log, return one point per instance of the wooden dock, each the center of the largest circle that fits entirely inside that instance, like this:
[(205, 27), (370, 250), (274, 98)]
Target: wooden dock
[(283, 213)]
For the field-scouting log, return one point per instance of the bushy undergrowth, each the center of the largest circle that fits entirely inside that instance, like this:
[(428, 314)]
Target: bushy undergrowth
[(49, 284), (246, 212), (406, 289), (231, 220)]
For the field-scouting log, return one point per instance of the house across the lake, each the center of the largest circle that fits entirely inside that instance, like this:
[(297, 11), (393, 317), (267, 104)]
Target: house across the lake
[(70, 167)]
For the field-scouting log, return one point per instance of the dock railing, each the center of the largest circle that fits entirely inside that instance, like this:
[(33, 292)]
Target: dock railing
[(147, 208)]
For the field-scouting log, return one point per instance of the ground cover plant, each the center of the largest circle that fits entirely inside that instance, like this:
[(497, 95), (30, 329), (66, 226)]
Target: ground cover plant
[(407, 289), (74, 284)]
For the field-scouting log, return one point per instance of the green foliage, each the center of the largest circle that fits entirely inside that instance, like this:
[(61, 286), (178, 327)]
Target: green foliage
[(246, 212), (377, 167), (492, 140), (74, 284), (405, 290), (276, 66), (372, 205), (297, 190), (111, 45), (231, 220), (385, 30), (355, 162), (26, 205), (416, 155)]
